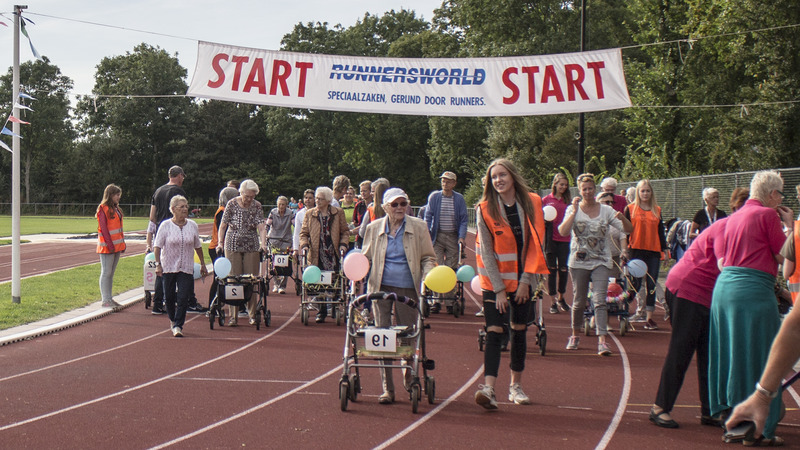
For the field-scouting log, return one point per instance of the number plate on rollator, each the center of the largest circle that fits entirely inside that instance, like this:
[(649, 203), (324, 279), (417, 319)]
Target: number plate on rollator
[(381, 340), (234, 292)]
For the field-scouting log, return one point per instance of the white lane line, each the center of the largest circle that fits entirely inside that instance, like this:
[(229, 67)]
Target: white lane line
[(64, 363), (623, 399), (794, 395), (248, 411), (416, 424), (239, 380), (149, 383)]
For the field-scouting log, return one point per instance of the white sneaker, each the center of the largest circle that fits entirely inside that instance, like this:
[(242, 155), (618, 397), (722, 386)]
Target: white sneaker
[(573, 342), (275, 288), (516, 395), (281, 291), (485, 397), (479, 313), (177, 332)]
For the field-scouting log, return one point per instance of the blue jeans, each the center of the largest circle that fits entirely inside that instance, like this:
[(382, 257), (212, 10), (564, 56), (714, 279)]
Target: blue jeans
[(178, 287)]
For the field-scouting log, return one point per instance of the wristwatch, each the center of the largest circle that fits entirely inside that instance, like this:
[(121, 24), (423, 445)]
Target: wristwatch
[(761, 390)]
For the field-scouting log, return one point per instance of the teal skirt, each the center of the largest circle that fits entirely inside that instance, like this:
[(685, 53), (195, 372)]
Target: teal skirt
[(744, 322)]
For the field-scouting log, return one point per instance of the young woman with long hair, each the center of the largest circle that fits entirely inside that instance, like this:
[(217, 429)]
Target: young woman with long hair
[(557, 245), (110, 241)]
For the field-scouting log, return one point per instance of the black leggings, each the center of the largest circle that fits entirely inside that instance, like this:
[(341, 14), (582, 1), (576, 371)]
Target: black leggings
[(557, 260), (516, 314)]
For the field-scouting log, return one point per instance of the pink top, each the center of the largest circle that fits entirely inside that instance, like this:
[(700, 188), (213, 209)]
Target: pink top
[(752, 238), (620, 202), (693, 277), (560, 207)]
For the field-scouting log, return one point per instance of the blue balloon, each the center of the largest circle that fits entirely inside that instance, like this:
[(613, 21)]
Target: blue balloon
[(150, 256), (312, 275), (222, 267), (465, 274), (197, 271)]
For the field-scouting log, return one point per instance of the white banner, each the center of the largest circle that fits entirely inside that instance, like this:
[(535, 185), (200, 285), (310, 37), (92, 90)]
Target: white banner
[(508, 86)]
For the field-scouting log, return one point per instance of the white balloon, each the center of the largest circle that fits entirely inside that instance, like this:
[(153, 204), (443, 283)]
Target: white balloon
[(549, 213), (637, 268)]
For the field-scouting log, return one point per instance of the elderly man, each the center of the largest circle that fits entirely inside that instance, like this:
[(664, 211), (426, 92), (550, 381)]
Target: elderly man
[(609, 184), (446, 217)]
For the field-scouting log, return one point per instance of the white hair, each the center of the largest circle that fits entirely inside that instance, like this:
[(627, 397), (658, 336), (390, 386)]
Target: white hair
[(248, 185), (708, 192), (608, 181), (324, 192), (763, 183), (173, 202)]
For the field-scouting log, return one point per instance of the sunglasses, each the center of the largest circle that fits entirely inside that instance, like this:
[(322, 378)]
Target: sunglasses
[(398, 204)]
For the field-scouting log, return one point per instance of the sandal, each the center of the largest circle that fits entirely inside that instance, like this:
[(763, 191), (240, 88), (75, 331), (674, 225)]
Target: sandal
[(761, 442)]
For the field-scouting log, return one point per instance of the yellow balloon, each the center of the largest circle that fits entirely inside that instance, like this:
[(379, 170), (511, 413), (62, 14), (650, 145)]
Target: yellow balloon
[(441, 279), (196, 258)]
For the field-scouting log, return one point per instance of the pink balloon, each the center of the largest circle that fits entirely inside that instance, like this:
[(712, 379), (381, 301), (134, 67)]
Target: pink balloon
[(356, 266), (475, 284)]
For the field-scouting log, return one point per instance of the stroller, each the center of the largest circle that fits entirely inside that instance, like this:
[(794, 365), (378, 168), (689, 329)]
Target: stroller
[(617, 301), (366, 346)]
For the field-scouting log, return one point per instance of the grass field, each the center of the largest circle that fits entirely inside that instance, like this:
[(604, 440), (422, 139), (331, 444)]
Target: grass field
[(49, 295), (69, 224)]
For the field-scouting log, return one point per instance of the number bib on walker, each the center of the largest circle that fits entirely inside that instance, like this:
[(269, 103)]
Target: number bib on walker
[(381, 340), (281, 260), (234, 292), (326, 277)]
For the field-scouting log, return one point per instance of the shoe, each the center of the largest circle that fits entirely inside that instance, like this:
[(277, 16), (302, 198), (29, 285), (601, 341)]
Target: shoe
[(252, 321), (243, 313), (320, 318), (196, 308), (603, 350), (639, 318), (177, 332), (158, 310), (572, 343), (661, 422), (233, 322), (650, 325), (479, 313), (435, 308), (554, 308), (275, 288), (516, 395), (281, 291), (563, 305), (485, 397), (762, 442), (711, 421), (407, 379), (110, 304), (387, 398)]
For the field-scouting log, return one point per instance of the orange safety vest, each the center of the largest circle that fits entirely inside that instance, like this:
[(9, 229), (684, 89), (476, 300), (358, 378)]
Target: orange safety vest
[(794, 280), (645, 229), (114, 229), (215, 231), (505, 248), (371, 211)]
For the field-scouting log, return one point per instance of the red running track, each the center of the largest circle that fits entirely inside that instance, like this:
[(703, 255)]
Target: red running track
[(124, 381)]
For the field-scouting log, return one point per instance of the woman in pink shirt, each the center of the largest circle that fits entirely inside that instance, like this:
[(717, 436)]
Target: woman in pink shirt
[(744, 311), (556, 245)]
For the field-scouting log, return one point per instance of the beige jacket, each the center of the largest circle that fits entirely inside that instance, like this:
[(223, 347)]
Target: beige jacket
[(309, 234), (416, 243)]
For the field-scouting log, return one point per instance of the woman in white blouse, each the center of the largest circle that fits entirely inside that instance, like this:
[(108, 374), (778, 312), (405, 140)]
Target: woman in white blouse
[(176, 239)]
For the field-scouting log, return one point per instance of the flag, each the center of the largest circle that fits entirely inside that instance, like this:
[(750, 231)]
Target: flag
[(3, 144), (9, 132), (24, 95), (21, 106), (15, 120), (25, 32)]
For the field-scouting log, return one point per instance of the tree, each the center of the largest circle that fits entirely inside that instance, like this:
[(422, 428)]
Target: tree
[(47, 141)]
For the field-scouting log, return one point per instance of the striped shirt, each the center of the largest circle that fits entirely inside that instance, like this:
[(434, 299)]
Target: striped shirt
[(447, 215)]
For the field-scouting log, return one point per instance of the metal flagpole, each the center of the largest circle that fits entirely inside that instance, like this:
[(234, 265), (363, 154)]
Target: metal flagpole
[(581, 134), (15, 159)]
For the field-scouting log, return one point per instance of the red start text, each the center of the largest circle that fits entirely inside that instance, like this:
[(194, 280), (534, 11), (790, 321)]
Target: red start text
[(281, 74), (522, 80)]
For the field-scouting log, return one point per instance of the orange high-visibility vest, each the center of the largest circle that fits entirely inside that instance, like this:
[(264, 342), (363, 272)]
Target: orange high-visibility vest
[(505, 247), (114, 229), (215, 231), (794, 280)]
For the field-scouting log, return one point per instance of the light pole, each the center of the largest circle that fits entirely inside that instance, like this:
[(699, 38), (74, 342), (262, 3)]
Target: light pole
[(581, 135), (15, 178)]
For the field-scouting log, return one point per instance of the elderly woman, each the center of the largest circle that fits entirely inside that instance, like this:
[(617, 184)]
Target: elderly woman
[(590, 257), (689, 286), (324, 234), (243, 235), (744, 313), (175, 240), (510, 254), (400, 252), (708, 215), (279, 224)]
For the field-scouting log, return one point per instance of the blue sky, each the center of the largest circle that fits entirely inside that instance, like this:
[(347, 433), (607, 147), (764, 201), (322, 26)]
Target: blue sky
[(77, 47)]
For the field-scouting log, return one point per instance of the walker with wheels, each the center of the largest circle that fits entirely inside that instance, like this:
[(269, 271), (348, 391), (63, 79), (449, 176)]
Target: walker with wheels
[(282, 263), (454, 302), (237, 291), (331, 290), (367, 346)]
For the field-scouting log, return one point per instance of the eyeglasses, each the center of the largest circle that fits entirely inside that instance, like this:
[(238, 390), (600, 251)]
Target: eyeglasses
[(780, 193), (398, 204), (607, 202)]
